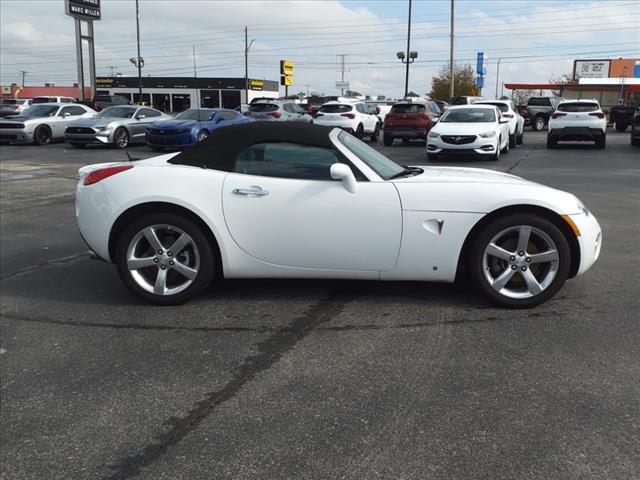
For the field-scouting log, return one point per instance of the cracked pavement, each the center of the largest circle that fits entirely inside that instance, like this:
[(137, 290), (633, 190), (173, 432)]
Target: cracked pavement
[(278, 379)]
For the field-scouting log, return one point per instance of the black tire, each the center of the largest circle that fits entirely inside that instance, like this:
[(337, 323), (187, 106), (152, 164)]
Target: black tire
[(635, 142), (496, 156), (374, 136), (202, 135), (520, 138), (77, 145), (621, 127), (551, 142), (42, 135), (476, 264), (359, 131), (121, 138), (387, 140), (505, 150), (207, 258), (512, 140), (406, 141), (539, 123), (601, 142)]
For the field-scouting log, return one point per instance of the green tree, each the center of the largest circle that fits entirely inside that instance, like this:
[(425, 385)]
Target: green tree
[(352, 93), (412, 94), (464, 83)]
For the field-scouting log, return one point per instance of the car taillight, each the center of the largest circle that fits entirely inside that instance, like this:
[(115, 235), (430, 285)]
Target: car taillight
[(507, 115), (98, 175), (597, 114), (377, 110), (274, 114), (348, 115), (558, 114)]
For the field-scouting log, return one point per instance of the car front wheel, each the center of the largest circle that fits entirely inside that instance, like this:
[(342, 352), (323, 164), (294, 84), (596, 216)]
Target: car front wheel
[(520, 261), (539, 123), (121, 138), (164, 259), (42, 135)]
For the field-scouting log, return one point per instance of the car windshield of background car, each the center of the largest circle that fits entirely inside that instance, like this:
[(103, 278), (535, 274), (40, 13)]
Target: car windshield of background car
[(41, 111), (469, 115), (408, 108), (578, 107), (116, 112), (336, 108), (380, 164)]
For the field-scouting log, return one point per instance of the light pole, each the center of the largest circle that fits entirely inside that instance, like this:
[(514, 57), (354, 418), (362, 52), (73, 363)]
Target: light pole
[(451, 71), (497, 77), (406, 82), (247, 46), (403, 58), (139, 62)]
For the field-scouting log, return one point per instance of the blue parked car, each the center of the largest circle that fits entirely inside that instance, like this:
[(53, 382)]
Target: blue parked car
[(190, 127)]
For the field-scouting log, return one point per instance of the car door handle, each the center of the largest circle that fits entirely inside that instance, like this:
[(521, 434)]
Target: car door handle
[(253, 190)]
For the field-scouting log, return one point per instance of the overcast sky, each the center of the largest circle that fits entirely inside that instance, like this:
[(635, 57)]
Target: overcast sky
[(535, 39)]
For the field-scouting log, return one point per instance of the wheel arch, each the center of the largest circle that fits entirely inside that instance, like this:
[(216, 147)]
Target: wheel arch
[(553, 217), (163, 207)]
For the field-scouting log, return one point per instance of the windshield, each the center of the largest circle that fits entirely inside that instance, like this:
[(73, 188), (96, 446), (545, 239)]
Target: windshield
[(116, 112), (578, 107), (380, 164), (502, 106), (336, 108), (408, 108), (195, 114), (41, 111), (469, 115), (263, 107)]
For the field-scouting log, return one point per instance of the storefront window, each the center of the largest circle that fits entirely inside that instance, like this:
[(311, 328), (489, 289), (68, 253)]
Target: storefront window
[(180, 101), (230, 98), (210, 98), (146, 98), (162, 102)]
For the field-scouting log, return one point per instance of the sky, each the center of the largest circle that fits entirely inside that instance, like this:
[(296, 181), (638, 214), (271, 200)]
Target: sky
[(534, 39)]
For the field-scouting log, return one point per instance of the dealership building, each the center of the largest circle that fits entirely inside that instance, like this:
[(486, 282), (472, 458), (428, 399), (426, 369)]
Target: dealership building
[(169, 94)]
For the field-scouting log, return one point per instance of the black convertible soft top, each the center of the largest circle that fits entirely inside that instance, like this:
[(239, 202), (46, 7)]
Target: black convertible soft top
[(220, 150)]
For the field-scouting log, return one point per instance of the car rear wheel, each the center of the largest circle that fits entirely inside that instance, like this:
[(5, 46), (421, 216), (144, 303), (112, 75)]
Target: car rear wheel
[(512, 140), (164, 259), (539, 123), (621, 127), (121, 138), (601, 142), (551, 142), (387, 140), (520, 137), (520, 261), (42, 135), (202, 135), (359, 132), (374, 135)]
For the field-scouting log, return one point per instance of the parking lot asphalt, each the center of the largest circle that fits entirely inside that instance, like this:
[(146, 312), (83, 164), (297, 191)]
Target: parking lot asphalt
[(275, 379)]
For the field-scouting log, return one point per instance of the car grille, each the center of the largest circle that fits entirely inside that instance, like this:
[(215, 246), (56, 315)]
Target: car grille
[(458, 139), (11, 125), (157, 131), (85, 130)]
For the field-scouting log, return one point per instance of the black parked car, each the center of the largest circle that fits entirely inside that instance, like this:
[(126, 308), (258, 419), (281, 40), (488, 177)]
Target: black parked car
[(622, 116)]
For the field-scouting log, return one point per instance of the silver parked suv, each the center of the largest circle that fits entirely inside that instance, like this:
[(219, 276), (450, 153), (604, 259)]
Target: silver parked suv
[(277, 110)]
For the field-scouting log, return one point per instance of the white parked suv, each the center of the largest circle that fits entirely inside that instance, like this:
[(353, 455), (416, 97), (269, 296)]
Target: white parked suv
[(354, 117), (578, 120), (469, 130), (516, 121)]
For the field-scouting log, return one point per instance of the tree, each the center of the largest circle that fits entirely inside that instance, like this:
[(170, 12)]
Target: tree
[(563, 79), (352, 93), (464, 83), (412, 94)]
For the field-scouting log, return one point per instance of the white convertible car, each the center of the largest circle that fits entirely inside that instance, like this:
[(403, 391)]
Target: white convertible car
[(283, 200)]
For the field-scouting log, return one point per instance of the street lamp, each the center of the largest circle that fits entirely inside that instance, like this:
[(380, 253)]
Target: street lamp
[(247, 46), (139, 63), (403, 58)]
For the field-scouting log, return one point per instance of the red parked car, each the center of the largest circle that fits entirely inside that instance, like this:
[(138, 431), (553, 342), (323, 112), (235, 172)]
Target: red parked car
[(410, 120)]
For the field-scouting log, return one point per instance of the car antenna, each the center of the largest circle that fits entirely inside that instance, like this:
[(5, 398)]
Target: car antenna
[(129, 157)]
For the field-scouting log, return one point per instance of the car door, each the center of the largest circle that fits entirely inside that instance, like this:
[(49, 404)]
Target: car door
[(282, 207), (65, 116), (140, 124)]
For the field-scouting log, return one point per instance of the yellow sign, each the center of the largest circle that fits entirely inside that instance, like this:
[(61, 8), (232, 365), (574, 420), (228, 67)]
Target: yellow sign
[(256, 83)]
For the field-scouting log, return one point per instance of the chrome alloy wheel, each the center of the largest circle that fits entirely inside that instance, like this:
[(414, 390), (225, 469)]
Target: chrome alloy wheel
[(520, 261), (121, 138), (163, 259)]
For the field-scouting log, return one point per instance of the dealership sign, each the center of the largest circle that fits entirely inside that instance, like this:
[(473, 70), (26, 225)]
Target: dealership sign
[(83, 9), (591, 69)]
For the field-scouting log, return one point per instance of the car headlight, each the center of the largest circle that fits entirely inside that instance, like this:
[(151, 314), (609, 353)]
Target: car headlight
[(490, 134), (433, 135)]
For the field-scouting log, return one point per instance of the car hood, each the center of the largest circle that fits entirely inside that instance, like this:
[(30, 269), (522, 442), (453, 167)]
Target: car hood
[(97, 122), (20, 118), (175, 124), (462, 175), (462, 128)]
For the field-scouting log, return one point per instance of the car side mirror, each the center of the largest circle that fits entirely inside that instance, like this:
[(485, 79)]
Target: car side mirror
[(219, 119), (66, 114), (141, 116), (340, 171)]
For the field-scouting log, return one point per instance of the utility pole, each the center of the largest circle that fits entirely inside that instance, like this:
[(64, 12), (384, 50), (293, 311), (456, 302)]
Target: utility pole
[(23, 72), (112, 68), (195, 71), (451, 72), (139, 63), (497, 77), (247, 46), (342, 62), (406, 81)]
